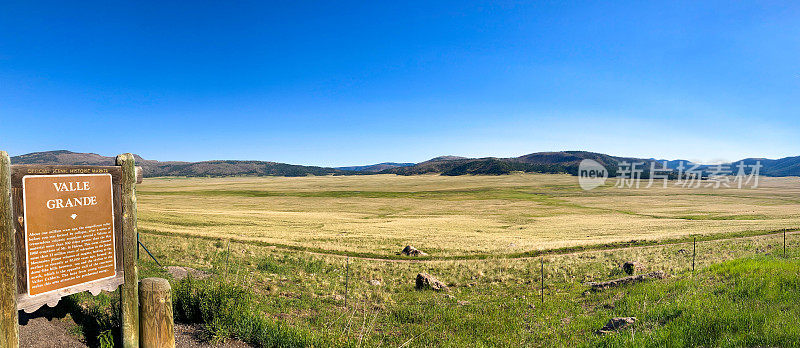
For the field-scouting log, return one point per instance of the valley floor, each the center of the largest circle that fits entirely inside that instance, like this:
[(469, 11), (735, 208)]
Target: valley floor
[(457, 217), (313, 261)]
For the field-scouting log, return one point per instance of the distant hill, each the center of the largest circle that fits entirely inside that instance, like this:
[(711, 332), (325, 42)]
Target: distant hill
[(436, 165), (787, 166), (447, 158), (562, 162), (565, 162), (64, 157), (153, 168), (236, 168), (565, 158), (376, 167)]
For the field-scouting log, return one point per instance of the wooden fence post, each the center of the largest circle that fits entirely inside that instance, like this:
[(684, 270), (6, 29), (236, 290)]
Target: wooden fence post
[(346, 282), (542, 259), (157, 326), (694, 252), (130, 289), (9, 321)]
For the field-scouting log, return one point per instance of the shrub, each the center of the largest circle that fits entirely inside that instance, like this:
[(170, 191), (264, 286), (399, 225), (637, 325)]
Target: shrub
[(229, 310), (106, 339)]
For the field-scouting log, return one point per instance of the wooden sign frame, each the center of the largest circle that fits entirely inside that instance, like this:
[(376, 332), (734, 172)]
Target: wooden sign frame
[(13, 273), (28, 303)]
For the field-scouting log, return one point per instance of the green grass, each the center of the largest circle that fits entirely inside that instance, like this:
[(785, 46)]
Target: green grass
[(228, 310), (285, 263), (750, 302), (726, 217), (742, 303), (97, 318), (297, 299)]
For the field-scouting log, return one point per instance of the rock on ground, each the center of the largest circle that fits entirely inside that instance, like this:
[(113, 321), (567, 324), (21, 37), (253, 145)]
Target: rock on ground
[(412, 251), (179, 272), (630, 267), (627, 280), (426, 281), (616, 324)]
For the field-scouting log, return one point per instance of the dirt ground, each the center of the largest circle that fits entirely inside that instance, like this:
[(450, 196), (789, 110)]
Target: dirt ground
[(53, 332), (46, 333)]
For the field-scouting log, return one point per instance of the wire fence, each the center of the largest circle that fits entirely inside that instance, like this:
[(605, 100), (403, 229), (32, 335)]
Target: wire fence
[(362, 288)]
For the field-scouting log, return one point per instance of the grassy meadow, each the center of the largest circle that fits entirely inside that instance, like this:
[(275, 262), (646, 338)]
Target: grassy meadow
[(454, 216), (744, 293), (312, 261)]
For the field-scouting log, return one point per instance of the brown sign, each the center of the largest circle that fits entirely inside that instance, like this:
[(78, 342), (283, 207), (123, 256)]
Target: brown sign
[(69, 230)]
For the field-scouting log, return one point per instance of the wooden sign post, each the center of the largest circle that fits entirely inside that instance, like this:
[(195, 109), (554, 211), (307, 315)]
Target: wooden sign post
[(65, 230), (130, 288), (9, 331)]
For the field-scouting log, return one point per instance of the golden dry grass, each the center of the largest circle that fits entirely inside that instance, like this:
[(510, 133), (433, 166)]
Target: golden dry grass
[(454, 215)]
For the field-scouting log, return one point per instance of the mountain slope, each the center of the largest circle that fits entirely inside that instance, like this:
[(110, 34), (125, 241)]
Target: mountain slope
[(568, 162), (787, 166), (155, 168), (563, 162), (64, 157), (376, 167)]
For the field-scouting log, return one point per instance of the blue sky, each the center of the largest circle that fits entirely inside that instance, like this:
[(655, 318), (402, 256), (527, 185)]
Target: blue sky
[(341, 83)]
